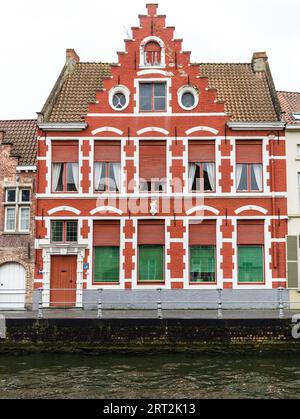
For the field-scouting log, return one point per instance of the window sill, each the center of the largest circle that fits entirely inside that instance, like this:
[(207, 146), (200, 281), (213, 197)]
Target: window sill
[(16, 233), (64, 244)]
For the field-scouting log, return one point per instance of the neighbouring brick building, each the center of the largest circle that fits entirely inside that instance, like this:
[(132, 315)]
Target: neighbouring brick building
[(17, 211), (156, 172)]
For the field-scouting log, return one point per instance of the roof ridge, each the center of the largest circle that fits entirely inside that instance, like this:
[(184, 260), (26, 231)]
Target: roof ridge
[(222, 63), (96, 62), (18, 120), (288, 91)]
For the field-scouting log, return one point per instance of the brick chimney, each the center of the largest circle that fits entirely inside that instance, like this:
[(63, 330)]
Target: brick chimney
[(152, 9), (71, 56), (259, 62)]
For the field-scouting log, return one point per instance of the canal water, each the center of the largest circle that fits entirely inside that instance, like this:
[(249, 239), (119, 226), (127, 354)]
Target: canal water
[(156, 376)]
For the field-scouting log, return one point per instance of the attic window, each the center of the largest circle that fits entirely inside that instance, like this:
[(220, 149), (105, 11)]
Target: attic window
[(296, 116), (152, 54)]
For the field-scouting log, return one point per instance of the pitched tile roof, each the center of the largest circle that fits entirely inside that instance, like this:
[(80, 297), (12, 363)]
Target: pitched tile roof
[(248, 95), (22, 135), (78, 90), (290, 103)]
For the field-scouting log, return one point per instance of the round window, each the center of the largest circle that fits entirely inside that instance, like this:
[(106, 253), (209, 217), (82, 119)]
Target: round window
[(188, 97), (188, 100), (119, 100), (119, 97)]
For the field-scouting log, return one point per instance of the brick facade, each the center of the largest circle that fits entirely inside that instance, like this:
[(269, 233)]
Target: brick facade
[(15, 247), (209, 120)]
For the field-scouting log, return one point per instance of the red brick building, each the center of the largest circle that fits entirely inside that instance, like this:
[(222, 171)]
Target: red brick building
[(156, 172), (17, 211)]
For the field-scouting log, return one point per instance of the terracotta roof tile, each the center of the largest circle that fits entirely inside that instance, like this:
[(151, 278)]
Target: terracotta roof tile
[(246, 94), (22, 135), (78, 90), (290, 103)]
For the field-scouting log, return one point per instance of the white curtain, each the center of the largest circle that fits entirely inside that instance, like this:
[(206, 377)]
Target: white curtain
[(192, 173), (239, 172), (75, 172), (56, 171), (117, 175), (211, 174), (257, 168), (98, 174)]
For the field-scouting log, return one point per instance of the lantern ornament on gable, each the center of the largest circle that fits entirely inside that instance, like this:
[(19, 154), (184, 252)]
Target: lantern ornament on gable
[(154, 207)]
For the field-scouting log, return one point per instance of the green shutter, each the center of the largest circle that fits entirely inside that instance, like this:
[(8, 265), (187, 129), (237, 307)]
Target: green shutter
[(250, 264), (202, 263), (151, 263), (106, 264), (292, 261)]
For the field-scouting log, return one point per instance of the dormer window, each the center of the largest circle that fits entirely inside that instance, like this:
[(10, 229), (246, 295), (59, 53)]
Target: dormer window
[(152, 54)]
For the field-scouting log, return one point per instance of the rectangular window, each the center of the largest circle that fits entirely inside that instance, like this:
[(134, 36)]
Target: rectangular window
[(106, 251), (107, 177), (107, 167), (71, 231), (202, 177), (24, 219), (106, 264), (17, 215), (25, 195), (11, 195), (249, 168), (151, 263), (151, 241), (202, 166), (64, 231), (65, 169), (65, 177), (249, 177), (153, 97), (202, 264), (10, 219), (250, 264), (250, 240), (202, 242), (298, 151), (153, 167)]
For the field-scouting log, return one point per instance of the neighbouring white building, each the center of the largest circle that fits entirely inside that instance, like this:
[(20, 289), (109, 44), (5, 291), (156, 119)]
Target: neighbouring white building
[(290, 103)]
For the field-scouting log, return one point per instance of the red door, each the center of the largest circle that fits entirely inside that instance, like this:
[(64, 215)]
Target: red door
[(63, 281)]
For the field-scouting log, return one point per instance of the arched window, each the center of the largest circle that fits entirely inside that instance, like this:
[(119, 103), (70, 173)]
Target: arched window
[(152, 54)]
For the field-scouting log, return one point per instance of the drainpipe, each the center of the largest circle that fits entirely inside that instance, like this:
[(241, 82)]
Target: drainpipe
[(274, 228)]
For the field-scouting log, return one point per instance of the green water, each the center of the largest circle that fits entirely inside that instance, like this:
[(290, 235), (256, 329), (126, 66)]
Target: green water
[(157, 376)]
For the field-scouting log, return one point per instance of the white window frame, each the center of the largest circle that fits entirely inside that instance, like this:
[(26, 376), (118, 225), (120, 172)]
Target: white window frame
[(168, 82), (142, 52), (188, 89), (20, 195), (20, 219), (6, 195), (119, 89), (6, 219), (17, 205)]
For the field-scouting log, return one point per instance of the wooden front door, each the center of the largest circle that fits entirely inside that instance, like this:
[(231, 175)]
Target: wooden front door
[(63, 281)]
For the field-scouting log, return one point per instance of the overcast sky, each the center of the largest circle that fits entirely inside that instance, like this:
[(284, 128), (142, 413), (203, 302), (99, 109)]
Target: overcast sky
[(35, 33)]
